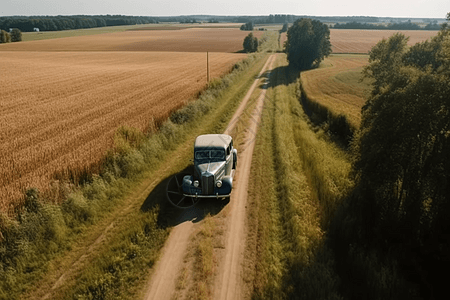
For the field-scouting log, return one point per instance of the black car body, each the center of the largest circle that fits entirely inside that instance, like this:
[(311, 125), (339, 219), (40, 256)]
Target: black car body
[(215, 162)]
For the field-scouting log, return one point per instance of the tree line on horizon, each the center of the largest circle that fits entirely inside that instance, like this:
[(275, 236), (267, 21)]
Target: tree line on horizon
[(56, 23), (433, 25)]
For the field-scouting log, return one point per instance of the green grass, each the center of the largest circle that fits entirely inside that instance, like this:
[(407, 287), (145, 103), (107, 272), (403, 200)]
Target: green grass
[(46, 35), (298, 179), (302, 227)]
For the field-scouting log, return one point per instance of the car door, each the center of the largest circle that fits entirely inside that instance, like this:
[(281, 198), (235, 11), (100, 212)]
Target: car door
[(229, 160)]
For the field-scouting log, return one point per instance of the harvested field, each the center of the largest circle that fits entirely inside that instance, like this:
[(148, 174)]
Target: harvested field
[(336, 85), (283, 39), (185, 26), (59, 110), (187, 40), (361, 41)]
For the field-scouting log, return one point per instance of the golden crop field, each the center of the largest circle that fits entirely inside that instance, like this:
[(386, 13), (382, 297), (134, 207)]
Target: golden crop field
[(185, 40), (59, 110), (283, 39), (336, 85), (361, 41)]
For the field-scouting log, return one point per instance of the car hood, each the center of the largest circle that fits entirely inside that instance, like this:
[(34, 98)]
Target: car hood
[(211, 166)]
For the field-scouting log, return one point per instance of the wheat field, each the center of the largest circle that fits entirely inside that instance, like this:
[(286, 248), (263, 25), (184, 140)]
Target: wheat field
[(59, 110), (361, 41), (185, 40), (336, 85)]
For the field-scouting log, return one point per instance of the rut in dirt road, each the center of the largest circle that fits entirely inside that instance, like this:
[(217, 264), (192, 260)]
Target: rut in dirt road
[(229, 281), (227, 286)]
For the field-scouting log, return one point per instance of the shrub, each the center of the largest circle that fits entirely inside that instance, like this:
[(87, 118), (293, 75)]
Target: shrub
[(16, 35), (247, 26), (76, 208), (250, 43), (5, 37)]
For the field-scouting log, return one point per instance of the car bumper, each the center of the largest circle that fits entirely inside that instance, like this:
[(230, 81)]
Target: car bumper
[(189, 190)]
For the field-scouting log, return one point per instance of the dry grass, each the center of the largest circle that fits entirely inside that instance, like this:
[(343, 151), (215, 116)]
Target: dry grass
[(60, 110), (361, 41), (336, 85), (187, 40), (283, 39)]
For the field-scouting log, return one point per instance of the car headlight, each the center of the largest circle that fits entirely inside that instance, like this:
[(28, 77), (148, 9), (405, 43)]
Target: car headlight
[(196, 183), (219, 183)]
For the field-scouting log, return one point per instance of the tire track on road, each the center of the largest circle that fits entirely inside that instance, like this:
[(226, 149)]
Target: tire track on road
[(229, 281), (163, 281)]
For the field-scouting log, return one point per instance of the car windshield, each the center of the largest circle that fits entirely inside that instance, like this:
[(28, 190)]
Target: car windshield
[(209, 154)]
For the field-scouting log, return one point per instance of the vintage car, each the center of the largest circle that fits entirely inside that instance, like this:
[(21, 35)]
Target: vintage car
[(215, 162)]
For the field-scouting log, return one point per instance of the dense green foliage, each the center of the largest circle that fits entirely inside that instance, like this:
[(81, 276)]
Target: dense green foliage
[(284, 28), (250, 43), (391, 26), (247, 26), (16, 35), (405, 139), (308, 43), (393, 233), (281, 19), (5, 37), (54, 23)]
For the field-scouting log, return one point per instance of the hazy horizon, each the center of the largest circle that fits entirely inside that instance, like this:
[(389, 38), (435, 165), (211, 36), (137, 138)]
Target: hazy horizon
[(160, 8)]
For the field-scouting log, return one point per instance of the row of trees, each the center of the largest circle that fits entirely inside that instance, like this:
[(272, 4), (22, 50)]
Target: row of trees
[(54, 23), (401, 203), (392, 26), (403, 149), (281, 19), (14, 36)]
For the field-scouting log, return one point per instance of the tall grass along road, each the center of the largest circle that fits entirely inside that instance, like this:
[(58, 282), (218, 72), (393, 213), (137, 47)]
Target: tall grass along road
[(229, 279), (163, 282)]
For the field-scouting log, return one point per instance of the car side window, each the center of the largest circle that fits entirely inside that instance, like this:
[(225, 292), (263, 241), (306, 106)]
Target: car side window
[(228, 150)]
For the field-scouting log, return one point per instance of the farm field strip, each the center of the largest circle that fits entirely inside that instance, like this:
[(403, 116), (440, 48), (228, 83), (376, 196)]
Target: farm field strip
[(336, 85), (60, 110), (361, 41), (186, 40)]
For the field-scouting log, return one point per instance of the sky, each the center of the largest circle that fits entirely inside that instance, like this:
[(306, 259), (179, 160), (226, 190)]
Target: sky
[(379, 8)]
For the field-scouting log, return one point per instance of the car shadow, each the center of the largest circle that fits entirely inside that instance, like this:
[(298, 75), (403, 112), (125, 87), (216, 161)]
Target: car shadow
[(170, 215)]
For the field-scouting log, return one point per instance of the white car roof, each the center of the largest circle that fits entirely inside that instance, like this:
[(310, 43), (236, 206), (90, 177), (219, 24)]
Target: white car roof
[(212, 141)]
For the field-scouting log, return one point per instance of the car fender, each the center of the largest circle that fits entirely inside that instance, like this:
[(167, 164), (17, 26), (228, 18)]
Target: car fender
[(234, 158)]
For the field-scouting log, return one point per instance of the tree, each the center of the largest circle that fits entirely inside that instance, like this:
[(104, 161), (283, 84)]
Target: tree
[(16, 35), (285, 28), (402, 148), (247, 26), (250, 43), (5, 37), (308, 43), (385, 58)]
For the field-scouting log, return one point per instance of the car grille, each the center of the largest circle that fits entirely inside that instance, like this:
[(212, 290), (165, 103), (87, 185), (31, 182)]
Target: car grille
[(207, 184)]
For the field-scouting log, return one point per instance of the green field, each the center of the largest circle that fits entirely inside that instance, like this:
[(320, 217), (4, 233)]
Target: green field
[(46, 35)]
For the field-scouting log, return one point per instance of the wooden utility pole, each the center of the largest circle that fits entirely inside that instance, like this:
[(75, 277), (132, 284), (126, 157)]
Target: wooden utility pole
[(207, 67)]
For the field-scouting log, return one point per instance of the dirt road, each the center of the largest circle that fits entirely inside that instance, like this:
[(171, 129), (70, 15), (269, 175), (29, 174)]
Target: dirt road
[(228, 281)]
